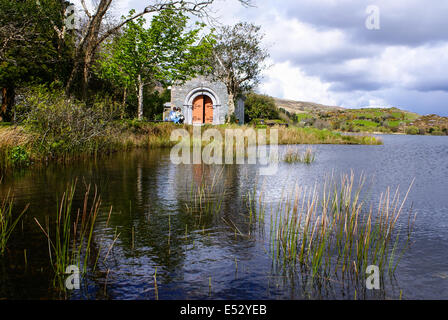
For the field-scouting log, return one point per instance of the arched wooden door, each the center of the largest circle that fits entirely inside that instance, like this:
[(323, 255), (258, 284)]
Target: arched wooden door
[(208, 109), (198, 109), (202, 109)]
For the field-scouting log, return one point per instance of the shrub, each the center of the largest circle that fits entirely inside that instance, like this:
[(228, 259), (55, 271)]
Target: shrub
[(65, 126), (322, 124), (233, 119), (153, 102), (260, 106), (132, 125), (412, 130), (394, 129), (335, 125), (437, 133), (19, 157)]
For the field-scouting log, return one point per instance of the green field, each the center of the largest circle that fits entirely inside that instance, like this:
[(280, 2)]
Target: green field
[(381, 120)]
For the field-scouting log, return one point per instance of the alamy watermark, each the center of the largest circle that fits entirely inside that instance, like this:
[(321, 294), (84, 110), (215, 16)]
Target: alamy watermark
[(72, 18), (373, 277), (373, 18), (230, 149), (72, 281)]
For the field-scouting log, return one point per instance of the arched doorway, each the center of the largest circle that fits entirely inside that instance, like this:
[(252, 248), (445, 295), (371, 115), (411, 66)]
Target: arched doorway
[(202, 109)]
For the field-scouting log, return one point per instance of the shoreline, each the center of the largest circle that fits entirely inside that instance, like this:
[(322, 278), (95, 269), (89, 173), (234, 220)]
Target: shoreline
[(20, 147)]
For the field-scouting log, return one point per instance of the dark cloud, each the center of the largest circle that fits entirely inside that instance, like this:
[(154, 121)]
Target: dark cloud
[(418, 101), (342, 79), (356, 84), (326, 14), (405, 22), (431, 85), (332, 56), (402, 64)]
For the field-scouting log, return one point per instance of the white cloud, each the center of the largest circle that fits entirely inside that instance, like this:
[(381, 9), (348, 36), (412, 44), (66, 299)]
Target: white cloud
[(284, 80), (321, 51), (420, 68), (292, 39)]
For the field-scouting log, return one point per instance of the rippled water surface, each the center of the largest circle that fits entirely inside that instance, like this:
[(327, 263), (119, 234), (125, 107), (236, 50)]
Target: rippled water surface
[(148, 195)]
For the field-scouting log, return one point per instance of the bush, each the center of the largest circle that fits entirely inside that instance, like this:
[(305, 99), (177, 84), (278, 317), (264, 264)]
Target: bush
[(259, 106), (65, 126), (412, 130), (19, 157), (153, 102), (233, 119), (132, 125), (394, 129), (437, 133), (322, 124)]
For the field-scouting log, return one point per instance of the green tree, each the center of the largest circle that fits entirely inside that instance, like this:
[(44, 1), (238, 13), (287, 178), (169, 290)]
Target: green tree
[(238, 59), (161, 54), (153, 101), (94, 32), (259, 106), (30, 51)]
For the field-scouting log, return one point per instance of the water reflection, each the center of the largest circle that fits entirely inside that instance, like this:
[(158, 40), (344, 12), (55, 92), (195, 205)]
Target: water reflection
[(149, 196)]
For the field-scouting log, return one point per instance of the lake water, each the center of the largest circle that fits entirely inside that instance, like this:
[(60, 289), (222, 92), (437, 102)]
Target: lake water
[(148, 193)]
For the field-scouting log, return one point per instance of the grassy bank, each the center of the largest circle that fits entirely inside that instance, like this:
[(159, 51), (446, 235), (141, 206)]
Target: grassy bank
[(21, 145)]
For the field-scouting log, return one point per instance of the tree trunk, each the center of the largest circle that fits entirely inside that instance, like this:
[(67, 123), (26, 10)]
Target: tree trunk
[(231, 106), (8, 97), (123, 107), (85, 78), (87, 47), (84, 61), (71, 79), (86, 50), (140, 97), (4, 107)]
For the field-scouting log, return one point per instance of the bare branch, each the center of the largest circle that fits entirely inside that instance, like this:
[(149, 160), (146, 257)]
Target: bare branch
[(93, 34), (85, 9), (193, 7), (247, 3), (59, 32)]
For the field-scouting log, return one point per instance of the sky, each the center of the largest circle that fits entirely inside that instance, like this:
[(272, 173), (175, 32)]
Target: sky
[(322, 51)]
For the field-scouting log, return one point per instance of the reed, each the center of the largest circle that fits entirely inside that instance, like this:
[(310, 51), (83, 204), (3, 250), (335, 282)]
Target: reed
[(156, 288), (209, 286), (71, 236), (205, 198), (294, 155), (7, 220), (255, 208), (126, 135), (332, 233)]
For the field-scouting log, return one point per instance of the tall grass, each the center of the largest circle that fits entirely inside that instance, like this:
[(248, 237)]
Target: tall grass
[(255, 208), (71, 234), (205, 198), (294, 155), (44, 144), (294, 135), (7, 220), (12, 138), (333, 233)]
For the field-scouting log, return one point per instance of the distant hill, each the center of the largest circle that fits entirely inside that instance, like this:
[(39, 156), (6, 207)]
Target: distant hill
[(378, 120), (302, 106)]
